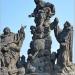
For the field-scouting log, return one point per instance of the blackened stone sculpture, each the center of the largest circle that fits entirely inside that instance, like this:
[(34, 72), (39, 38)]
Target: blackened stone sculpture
[(40, 59), (40, 46), (43, 12), (64, 53), (64, 37), (10, 44)]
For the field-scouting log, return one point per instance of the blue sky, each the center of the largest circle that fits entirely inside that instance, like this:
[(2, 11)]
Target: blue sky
[(13, 13)]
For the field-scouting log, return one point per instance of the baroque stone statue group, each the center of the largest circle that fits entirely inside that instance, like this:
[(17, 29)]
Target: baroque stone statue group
[(40, 61)]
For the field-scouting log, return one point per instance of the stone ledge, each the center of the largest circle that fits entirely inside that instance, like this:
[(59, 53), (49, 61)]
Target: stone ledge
[(66, 73), (38, 74), (71, 73)]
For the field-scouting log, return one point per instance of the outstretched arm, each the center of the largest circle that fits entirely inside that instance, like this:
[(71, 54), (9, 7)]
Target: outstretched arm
[(19, 37), (21, 32), (54, 25), (57, 29), (34, 12)]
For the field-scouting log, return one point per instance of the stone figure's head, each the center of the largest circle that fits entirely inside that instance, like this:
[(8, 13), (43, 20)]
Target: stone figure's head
[(67, 25), (40, 3), (37, 1), (32, 28), (53, 56), (6, 30), (30, 57), (22, 58)]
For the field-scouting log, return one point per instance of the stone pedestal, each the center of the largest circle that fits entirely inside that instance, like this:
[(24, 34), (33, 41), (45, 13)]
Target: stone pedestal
[(38, 74)]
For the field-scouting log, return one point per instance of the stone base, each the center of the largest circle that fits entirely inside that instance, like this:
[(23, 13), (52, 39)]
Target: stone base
[(51, 74), (38, 74), (72, 73)]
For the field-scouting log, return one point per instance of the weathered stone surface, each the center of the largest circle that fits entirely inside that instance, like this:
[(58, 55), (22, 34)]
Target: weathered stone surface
[(10, 44), (38, 74), (65, 38), (40, 60), (40, 47), (39, 54), (3, 71), (21, 71), (68, 70)]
